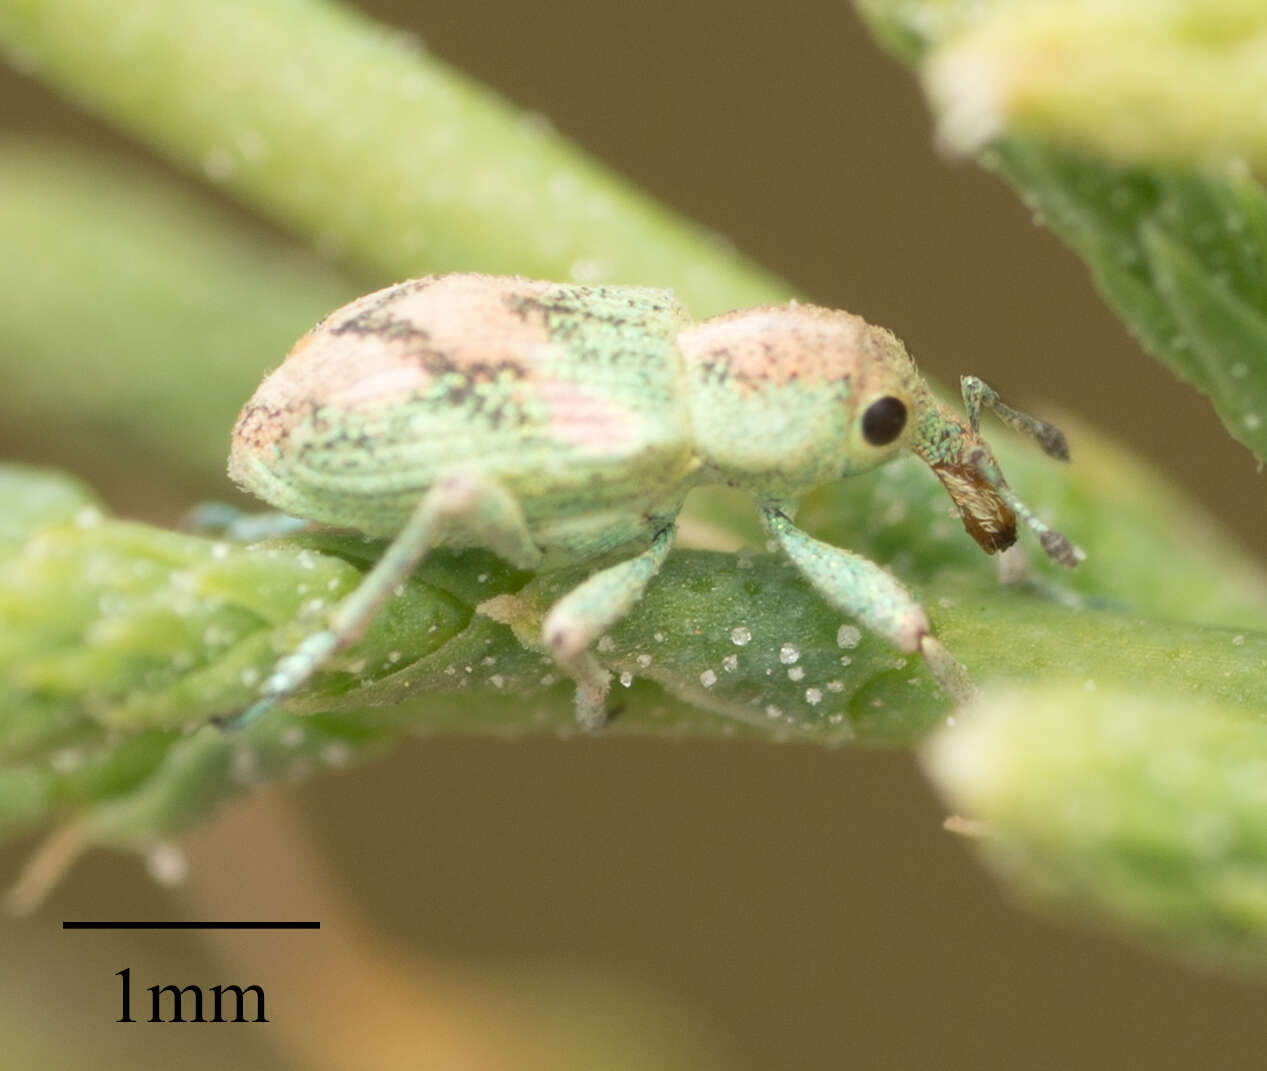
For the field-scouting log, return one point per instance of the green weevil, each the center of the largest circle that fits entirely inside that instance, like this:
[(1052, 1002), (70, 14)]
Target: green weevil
[(555, 424)]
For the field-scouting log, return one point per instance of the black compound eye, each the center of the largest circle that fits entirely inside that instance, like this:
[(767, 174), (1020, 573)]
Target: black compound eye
[(883, 421)]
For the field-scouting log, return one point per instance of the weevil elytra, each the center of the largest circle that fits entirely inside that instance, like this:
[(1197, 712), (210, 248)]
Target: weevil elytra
[(555, 424)]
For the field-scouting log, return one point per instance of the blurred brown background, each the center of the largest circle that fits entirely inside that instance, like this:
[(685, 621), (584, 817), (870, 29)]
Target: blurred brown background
[(806, 903)]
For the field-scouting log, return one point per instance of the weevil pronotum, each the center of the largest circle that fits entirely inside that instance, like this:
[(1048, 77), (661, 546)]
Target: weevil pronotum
[(556, 424)]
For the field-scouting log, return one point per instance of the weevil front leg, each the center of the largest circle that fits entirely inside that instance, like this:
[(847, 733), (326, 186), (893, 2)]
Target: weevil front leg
[(863, 590), (587, 611), (461, 501)]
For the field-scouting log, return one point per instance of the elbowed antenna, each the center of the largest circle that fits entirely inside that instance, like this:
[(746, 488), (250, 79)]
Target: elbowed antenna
[(977, 392), (967, 469)]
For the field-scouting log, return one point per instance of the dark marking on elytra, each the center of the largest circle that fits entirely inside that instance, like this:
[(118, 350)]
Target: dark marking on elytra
[(479, 395), (261, 425), (379, 321), (569, 313), (382, 323)]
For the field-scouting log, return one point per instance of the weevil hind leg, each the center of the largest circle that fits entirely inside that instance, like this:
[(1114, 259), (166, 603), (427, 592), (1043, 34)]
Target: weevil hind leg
[(587, 611), (863, 590), (471, 503)]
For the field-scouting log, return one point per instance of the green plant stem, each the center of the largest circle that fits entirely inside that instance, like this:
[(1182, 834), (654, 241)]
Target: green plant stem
[(146, 316), (355, 137)]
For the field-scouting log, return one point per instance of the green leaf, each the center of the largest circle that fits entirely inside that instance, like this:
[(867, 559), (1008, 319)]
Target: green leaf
[(116, 638), (1228, 337), (1181, 258)]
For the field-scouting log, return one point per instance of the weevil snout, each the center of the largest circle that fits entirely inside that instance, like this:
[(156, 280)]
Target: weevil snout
[(986, 516), (964, 463)]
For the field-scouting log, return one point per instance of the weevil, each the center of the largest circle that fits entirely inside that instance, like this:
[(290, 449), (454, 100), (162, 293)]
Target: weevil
[(556, 424)]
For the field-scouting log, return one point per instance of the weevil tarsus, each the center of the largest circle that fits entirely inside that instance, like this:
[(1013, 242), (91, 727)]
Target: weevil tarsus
[(947, 670)]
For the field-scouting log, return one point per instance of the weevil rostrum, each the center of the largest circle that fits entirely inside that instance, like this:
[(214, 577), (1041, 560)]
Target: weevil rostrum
[(554, 424)]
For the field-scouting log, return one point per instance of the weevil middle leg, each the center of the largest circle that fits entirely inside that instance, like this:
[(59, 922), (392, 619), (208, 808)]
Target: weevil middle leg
[(589, 609), (465, 501)]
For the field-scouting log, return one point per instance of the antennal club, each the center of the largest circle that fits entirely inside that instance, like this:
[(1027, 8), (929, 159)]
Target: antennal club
[(1056, 546)]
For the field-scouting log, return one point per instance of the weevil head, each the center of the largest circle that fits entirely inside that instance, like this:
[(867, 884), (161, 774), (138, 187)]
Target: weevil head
[(967, 469), (789, 397), (895, 410), (785, 398)]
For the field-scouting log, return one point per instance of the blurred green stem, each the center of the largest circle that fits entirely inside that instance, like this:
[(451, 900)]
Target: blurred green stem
[(1143, 807), (358, 139)]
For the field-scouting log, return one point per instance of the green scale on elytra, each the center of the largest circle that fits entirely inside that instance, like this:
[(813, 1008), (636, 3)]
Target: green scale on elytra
[(553, 424)]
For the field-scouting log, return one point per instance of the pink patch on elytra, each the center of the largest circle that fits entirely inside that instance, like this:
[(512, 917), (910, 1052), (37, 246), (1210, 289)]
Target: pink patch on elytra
[(582, 418), (386, 384)]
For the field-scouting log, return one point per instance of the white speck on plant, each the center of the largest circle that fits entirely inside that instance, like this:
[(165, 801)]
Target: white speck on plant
[(848, 636)]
